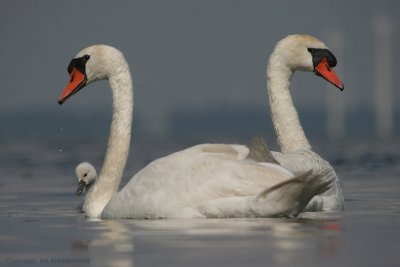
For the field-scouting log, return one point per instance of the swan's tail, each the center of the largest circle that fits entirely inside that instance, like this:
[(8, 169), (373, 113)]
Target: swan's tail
[(289, 198)]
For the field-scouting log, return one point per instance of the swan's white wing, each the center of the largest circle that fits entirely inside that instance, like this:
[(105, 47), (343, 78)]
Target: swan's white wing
[(174, 186)]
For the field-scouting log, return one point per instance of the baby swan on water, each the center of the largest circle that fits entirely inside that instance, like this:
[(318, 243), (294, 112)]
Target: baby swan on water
[(86, 174)]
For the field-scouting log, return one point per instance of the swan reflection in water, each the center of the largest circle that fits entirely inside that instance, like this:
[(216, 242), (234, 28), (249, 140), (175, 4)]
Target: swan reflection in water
[(116, 242), (111, 245)]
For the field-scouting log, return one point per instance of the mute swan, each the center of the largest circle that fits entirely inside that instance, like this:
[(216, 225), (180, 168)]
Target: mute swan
[(209, 180), (306, 53), (86, 174)]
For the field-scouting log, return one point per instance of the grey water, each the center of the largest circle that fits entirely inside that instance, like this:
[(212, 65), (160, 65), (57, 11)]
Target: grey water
[(40, 224)]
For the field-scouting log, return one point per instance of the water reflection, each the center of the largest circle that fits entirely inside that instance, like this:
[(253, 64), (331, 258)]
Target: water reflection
[(284, 241), (112, 244)]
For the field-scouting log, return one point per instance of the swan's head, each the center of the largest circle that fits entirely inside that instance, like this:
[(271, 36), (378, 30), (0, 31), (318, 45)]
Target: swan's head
[(86, 174), (307, 53), (93, 63)]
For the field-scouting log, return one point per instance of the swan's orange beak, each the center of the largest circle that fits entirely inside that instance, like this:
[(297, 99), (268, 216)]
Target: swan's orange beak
[(325, 71), (76, 82)]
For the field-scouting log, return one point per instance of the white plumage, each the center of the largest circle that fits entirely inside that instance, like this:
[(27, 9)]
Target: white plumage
[(208, 180)]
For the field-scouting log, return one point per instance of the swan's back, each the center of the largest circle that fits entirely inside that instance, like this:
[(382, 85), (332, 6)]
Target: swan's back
[(174, 186)]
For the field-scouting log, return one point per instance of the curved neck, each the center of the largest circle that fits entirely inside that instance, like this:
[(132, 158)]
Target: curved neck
[(118, 145), (286, 122)]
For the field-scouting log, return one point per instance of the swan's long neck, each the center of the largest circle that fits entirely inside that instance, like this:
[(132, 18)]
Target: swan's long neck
[(286, 122), (118, 145)]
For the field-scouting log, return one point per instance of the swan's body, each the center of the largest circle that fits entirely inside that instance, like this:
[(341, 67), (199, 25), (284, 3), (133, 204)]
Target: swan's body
[(300, 52), (210, 180), (207, 180)]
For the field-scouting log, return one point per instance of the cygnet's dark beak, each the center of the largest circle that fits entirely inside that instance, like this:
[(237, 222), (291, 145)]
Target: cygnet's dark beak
[(81, 187)]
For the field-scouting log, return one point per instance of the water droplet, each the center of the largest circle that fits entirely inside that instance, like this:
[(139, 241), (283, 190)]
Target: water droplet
[(61, 129), (60, 149)]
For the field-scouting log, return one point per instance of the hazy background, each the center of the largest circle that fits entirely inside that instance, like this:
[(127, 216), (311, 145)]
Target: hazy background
[(199, 73), (198, 66)]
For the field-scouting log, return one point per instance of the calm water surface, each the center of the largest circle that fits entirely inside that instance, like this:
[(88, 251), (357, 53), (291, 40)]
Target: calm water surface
[(41, 226)]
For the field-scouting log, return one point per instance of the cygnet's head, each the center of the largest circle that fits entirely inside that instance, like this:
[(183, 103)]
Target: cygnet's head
[(307, 53), (93, 63), (87, 175)]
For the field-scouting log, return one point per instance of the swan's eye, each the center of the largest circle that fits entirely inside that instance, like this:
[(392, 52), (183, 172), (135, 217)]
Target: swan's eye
[(86, 57), (85, 175)]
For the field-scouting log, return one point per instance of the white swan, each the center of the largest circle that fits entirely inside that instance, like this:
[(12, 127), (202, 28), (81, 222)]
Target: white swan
[(209, 180), (306, 53), (86, 174)]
